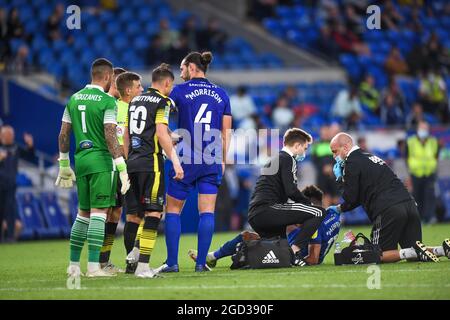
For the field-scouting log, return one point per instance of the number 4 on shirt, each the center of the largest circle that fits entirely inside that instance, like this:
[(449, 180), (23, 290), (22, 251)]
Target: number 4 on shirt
[(199, 118)]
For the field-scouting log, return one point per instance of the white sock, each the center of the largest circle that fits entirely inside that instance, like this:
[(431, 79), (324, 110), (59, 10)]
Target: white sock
[(408, 253), (93, 266), (211, 256), (439, 251), (142, 266), (75, 263)]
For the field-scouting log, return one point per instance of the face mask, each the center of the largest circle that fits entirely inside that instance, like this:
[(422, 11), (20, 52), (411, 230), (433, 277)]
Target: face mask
[(339, 160), (422, 133), (300, 157)]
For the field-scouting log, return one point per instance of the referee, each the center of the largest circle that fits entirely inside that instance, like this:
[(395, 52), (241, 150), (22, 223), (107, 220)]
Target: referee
[(277, 202), (369, 182)]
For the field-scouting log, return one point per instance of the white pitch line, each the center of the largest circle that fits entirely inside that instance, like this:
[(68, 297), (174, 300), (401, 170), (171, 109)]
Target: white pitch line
[(242, 272), (233, 287)]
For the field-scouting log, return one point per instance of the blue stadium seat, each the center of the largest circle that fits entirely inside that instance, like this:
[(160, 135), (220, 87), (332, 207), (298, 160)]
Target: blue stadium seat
[(53, 215), (120, 42), (30, 215), (23, 180)]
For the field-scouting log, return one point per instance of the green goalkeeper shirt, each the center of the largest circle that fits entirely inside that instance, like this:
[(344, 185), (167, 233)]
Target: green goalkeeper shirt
[(88, 110)]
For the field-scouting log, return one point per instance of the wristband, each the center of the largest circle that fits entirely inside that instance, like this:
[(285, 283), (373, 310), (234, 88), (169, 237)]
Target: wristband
[(120, 164), (64, 161)]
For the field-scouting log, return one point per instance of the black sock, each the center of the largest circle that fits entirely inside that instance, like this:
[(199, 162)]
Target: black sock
[(110, 233), (129, 235)]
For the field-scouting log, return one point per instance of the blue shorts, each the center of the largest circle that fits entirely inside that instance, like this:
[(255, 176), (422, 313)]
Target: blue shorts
[(207, 179)]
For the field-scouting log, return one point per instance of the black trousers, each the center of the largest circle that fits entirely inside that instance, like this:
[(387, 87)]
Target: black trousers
[(271, 221), (398, 225), (7, 211), (424, 194)]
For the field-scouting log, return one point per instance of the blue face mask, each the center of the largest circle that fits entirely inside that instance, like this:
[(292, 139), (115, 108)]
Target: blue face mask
[(300, 157), (339, 160)]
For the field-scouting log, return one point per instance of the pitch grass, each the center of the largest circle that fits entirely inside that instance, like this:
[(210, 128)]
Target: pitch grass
[(36, 270)]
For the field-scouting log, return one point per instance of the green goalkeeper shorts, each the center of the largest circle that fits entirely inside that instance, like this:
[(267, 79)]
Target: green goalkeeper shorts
[(97, 190)]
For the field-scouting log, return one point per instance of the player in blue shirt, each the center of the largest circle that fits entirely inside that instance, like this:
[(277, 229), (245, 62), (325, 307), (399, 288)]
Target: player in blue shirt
[(319, 245), (204, 122)]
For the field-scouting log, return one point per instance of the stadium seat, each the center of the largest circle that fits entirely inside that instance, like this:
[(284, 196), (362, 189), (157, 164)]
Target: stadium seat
[(53, 214), (31, 217)]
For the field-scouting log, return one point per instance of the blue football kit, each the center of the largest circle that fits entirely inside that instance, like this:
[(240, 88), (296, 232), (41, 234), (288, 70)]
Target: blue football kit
[(201, 106), (326, 235)]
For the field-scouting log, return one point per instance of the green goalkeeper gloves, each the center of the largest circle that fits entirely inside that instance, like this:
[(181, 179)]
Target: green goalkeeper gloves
[(66, 176)]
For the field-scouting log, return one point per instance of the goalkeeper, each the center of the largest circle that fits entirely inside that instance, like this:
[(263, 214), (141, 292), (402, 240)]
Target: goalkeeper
[(91, 113)]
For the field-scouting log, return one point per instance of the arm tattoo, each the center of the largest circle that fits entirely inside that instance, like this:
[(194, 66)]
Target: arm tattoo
[(111, 140), (64, 137)]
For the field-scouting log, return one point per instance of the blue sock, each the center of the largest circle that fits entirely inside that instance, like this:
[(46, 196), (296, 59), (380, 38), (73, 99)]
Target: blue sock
[(205, 234), (228, 248), (172, 232)]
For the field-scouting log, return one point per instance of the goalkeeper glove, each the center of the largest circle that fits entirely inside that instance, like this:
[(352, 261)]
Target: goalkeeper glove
[(123, 174), (66, 176), (336, 209)]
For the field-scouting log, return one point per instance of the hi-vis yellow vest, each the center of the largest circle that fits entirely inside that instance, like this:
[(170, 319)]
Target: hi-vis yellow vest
[(422, 160)]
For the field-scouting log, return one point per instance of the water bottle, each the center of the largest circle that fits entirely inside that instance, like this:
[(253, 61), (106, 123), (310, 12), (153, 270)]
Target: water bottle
[(337, 248)]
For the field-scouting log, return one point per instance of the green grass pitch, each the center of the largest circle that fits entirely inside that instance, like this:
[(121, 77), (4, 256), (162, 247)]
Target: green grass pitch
[(36, 270)]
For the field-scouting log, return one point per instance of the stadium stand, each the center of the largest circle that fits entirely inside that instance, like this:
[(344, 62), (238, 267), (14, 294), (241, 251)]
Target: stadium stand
[(334, 30)]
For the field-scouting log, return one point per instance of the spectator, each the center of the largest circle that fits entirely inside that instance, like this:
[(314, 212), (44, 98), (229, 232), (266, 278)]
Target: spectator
[(433, 95), (391, 18), (390, 112), (417, 60), (21, 62), (362, 144), (10, 153), (179, 50), (54, 23), (325, 42), (369, 95), (436, 55), (191, 33), (15, 26), (212, 37), (282, 116), (395, 64), (323, 161), (415, 116), (422, 159), (291, 94), (353, 21), (394, 91), (242, 105), (347, 106), (346, 40), (155, 53), (168, 36)]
